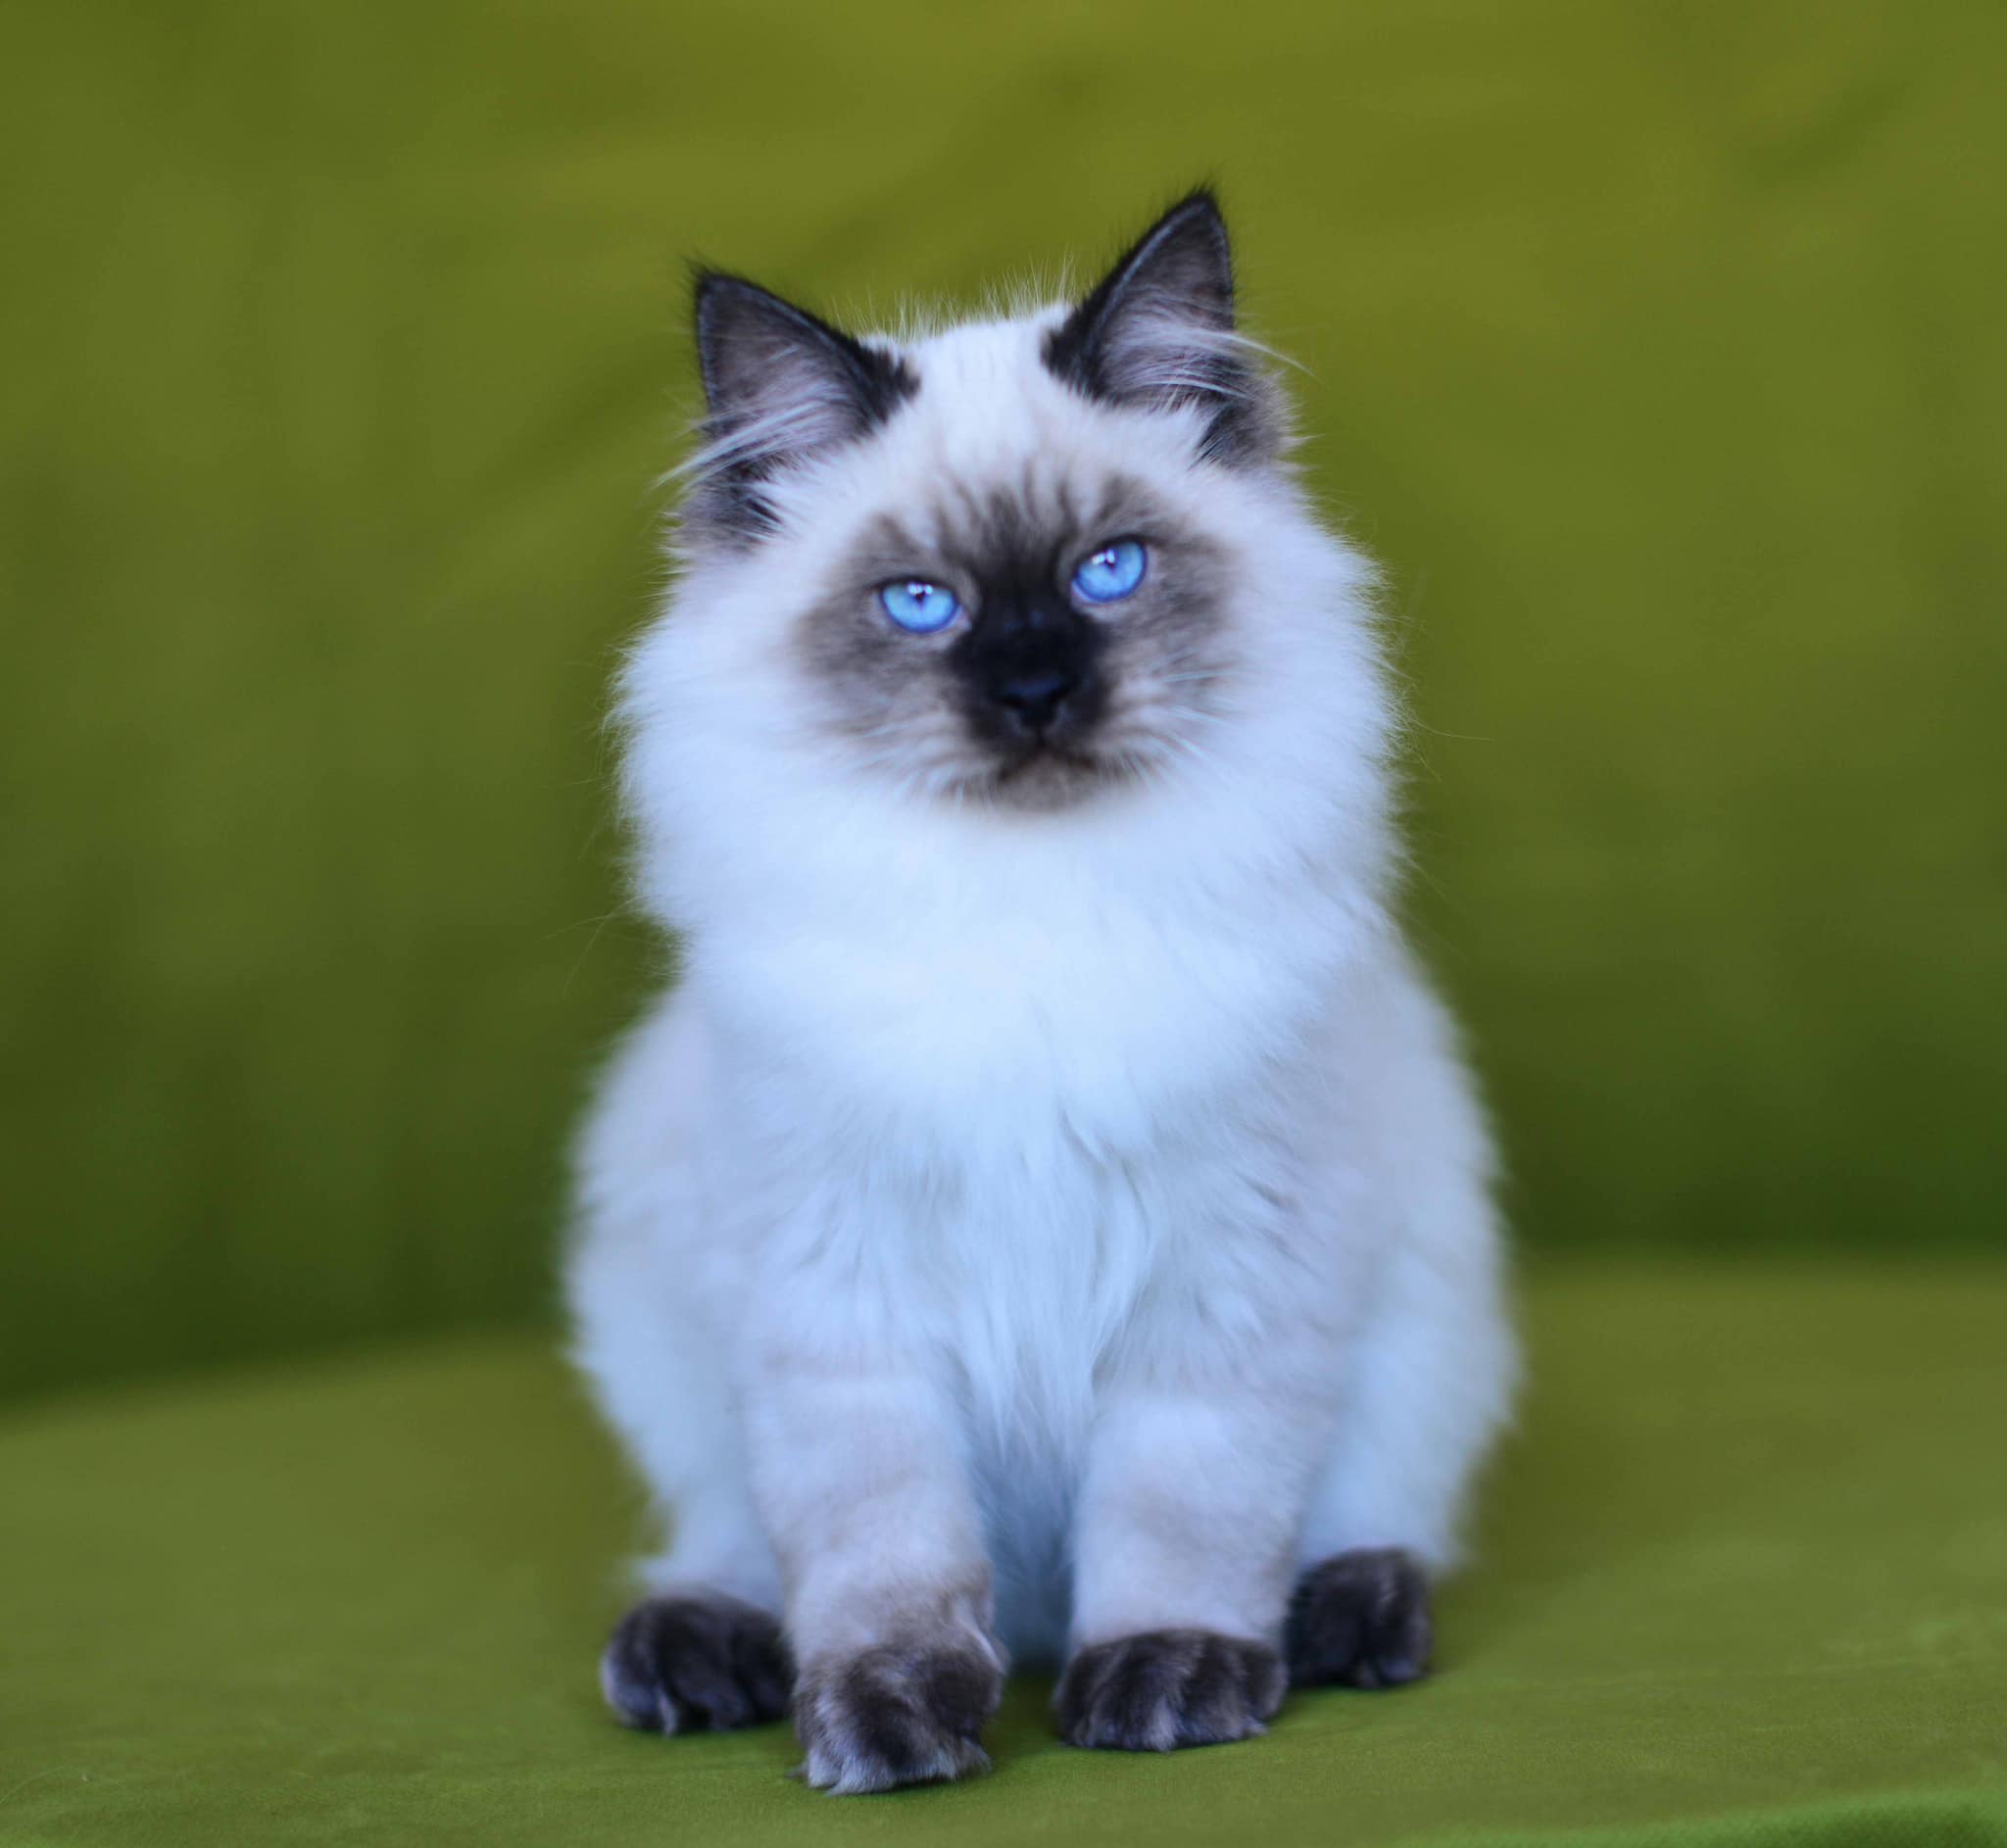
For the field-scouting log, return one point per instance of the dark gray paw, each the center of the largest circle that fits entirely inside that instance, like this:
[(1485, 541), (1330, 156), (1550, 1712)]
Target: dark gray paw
[(1168, 1688), (900, 1713), (1360, 1620), (687, 1663)]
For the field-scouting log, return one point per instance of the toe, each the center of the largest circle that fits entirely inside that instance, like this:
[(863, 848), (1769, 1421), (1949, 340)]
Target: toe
[(1167, 1689), (1361, 1620), (898, 1713), (691, 1664)]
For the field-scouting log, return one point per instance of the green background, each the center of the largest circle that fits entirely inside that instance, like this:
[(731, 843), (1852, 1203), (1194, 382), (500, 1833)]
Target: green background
[(1658, 349)]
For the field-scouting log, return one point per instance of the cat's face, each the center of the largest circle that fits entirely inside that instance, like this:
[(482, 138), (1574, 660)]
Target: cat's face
[(1019, 563), (1029, 637)]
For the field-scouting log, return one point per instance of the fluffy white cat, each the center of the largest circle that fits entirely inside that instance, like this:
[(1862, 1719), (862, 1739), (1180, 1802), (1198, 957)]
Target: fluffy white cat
[(1049, 1218)]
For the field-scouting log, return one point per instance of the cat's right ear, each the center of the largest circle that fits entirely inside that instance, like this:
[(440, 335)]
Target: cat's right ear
[(780, 387), (1158, 331)]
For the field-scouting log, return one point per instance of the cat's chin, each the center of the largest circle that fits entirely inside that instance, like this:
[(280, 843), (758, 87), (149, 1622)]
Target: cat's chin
[(1049, 780)]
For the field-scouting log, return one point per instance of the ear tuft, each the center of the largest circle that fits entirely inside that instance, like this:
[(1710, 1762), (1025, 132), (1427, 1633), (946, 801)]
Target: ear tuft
[(781, 386), (1157, 333)]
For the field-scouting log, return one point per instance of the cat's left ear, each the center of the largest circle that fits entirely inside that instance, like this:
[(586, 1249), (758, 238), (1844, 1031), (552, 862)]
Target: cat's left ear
[(780, 387), (1158, 331)]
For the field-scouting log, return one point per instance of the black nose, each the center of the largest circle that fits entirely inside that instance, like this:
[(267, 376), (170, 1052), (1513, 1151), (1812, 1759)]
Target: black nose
[(1033, 697)]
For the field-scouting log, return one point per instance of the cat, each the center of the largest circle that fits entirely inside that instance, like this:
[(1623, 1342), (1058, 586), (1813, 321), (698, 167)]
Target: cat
[(1049, 1220)]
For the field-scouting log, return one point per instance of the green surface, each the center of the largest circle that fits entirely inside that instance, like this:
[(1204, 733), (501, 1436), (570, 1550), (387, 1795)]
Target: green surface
[(1657, 348), (1743, 1579)]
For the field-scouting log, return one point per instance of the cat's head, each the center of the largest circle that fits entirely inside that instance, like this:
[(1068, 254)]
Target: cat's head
[(1020, 565)]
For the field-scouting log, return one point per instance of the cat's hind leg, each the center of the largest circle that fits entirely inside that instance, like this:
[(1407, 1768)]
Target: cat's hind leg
[(1429, 1386), (704, 1648)]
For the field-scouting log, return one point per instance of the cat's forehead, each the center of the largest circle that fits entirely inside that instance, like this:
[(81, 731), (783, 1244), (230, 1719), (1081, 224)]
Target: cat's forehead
[(991, 523), (983, 394), (982, 356), (993, 456)]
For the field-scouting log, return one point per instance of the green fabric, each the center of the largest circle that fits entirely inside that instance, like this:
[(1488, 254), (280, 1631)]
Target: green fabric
[(1656, 349), (1742, 1581)]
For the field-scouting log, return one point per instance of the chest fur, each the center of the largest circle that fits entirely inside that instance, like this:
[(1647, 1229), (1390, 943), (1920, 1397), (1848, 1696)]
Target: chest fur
[(982, 1026)]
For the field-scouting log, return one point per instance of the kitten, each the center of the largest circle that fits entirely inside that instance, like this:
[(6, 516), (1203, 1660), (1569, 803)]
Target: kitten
[(1049, 1219)]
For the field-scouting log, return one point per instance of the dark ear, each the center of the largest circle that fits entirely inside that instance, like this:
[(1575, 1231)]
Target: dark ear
[(780, 386), (1159, 330)]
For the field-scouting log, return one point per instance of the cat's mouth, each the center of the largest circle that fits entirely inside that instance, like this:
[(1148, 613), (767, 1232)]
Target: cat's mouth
[(1046, 775)]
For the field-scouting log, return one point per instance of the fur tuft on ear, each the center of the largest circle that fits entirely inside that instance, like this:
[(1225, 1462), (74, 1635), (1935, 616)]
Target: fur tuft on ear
[(780, 386), (1158, 331)]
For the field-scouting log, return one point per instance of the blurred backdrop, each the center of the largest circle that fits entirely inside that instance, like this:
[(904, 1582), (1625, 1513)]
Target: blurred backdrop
[(1659, 350)]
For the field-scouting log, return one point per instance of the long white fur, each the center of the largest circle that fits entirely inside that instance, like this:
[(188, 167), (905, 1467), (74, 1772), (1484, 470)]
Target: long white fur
[(1050, 1225)]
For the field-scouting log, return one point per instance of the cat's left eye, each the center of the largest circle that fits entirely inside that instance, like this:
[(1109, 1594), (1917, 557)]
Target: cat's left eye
[(919, 606), (1111, 572)]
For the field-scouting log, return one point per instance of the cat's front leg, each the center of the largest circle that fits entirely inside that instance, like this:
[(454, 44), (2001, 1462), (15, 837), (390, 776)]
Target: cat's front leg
[(1185, 1549), (888, 1586)]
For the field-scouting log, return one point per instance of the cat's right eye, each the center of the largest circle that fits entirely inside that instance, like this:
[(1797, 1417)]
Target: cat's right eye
[(1111, 572), (919, 606)]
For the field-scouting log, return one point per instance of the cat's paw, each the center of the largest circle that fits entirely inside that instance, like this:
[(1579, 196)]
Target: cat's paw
[(1168, 1688), (902, 1713), (1360, 1620), (694, 1662)]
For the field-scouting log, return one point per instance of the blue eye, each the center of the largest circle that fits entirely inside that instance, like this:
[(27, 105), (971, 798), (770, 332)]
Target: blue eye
[(919, 606), (1112, 573)]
